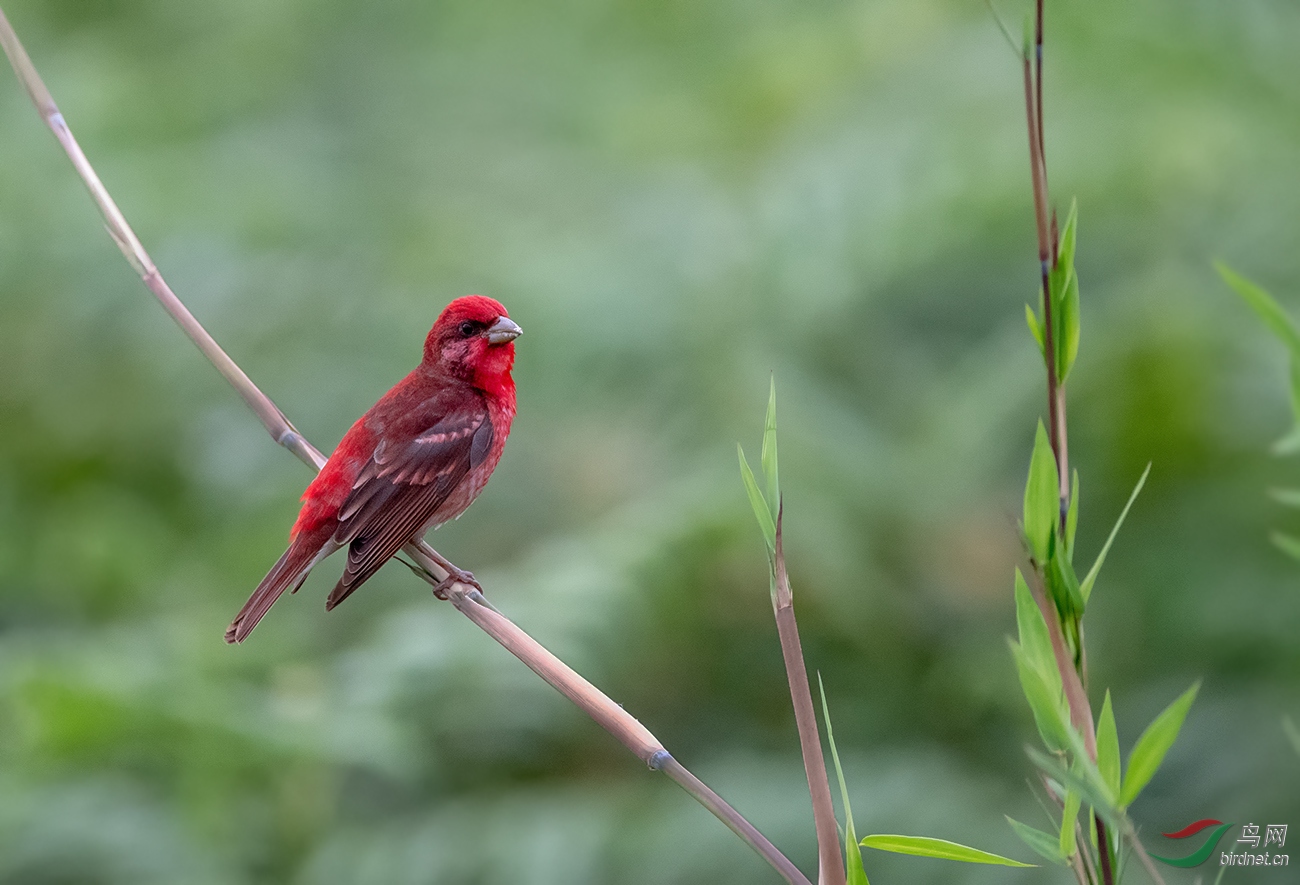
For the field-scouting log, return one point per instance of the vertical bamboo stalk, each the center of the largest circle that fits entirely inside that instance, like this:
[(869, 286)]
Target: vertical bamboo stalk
[(831, 864)]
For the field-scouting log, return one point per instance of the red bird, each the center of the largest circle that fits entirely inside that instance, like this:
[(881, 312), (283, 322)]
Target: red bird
[(415, 460)]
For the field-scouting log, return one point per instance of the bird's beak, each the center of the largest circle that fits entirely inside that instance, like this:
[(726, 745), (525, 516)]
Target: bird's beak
[(503, 330)]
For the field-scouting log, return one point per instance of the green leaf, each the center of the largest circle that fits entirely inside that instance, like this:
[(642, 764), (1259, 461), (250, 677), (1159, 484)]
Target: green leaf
[(1064, 285), (857, 874), (1289, 444), (1287, 497), (1006, 31), (1031, 318), (1044, 844), (1042, 497), (1085, 587), (924, 846), (1083, 778), (1275, 318), (1288, 544), (1069, 817), (1064, 584), (1292, 733), (1034, 636), (1287, 331), (1072, 516), (1065, 253), (1069, 346), (1108, 746), (1046, 701), (768, 456), (1151, 747), (761, 510)]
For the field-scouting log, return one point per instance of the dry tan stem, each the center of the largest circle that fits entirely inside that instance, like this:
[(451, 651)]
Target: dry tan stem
[(1144, 857), (1046, 249), (609, 715), (1079, 872), (831, 861)]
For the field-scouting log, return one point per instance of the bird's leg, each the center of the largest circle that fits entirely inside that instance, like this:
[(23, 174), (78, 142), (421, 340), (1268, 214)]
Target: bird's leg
[(454, 575)]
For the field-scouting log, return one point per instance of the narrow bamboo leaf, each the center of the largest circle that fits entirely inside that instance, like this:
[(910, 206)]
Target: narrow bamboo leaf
[(1042, 496), (1288, 497), (924, 846), (768, 455), (1069, 233), (1151, 747), (1292, 733), (1069, 817), (1031, 319), (1072, 517), (1289, 444), (1069, 327), (1275, 318), (1065, 584), (1002, 25), (1034, 636), (1281, 446), (1287, 331), (761, 511), (1108, 747), (1085, 587), (1065, 307), (857, 874), (1046, 702), (1083, 780), (1084, 770), (1045, 844), (1288, 544)]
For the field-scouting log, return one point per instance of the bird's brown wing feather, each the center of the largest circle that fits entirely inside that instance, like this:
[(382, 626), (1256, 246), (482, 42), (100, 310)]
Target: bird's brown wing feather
[(400, 490)]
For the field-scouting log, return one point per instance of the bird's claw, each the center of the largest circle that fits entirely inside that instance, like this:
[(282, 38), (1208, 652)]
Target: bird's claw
[(456, 576)]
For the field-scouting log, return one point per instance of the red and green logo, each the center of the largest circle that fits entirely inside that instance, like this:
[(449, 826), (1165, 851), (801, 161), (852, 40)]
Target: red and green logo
[(1202, 854)]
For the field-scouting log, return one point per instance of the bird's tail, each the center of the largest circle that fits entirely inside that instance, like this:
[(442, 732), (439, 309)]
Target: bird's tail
[(290, 571)]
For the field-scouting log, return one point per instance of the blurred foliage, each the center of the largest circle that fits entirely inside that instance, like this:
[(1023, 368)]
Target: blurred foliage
[(674, 199)]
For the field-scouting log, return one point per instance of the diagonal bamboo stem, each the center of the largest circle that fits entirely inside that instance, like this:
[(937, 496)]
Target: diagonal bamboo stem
[(467, 600)]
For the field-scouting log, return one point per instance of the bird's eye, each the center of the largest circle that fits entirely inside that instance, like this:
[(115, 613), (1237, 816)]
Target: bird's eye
[(467, 328)]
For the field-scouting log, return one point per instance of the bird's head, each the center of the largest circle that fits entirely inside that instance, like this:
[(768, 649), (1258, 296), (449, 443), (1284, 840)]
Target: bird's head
[(473, 339)]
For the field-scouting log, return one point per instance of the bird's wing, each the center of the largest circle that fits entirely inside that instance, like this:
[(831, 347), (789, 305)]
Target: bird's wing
[(401, 488)]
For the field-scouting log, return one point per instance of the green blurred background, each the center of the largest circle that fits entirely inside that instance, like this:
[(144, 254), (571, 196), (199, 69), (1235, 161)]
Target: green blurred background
[(674, 199)]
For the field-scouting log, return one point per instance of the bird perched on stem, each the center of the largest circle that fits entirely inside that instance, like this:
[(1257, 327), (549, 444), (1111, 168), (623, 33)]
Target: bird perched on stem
[(415, 460)]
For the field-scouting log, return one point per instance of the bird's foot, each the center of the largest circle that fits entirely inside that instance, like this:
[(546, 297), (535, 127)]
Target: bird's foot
[(456, 576)]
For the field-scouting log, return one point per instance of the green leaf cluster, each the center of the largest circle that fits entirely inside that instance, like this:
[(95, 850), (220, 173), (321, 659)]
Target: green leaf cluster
[(1052, 548), (1102, 785), (1063, 290), (1072, 774)]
